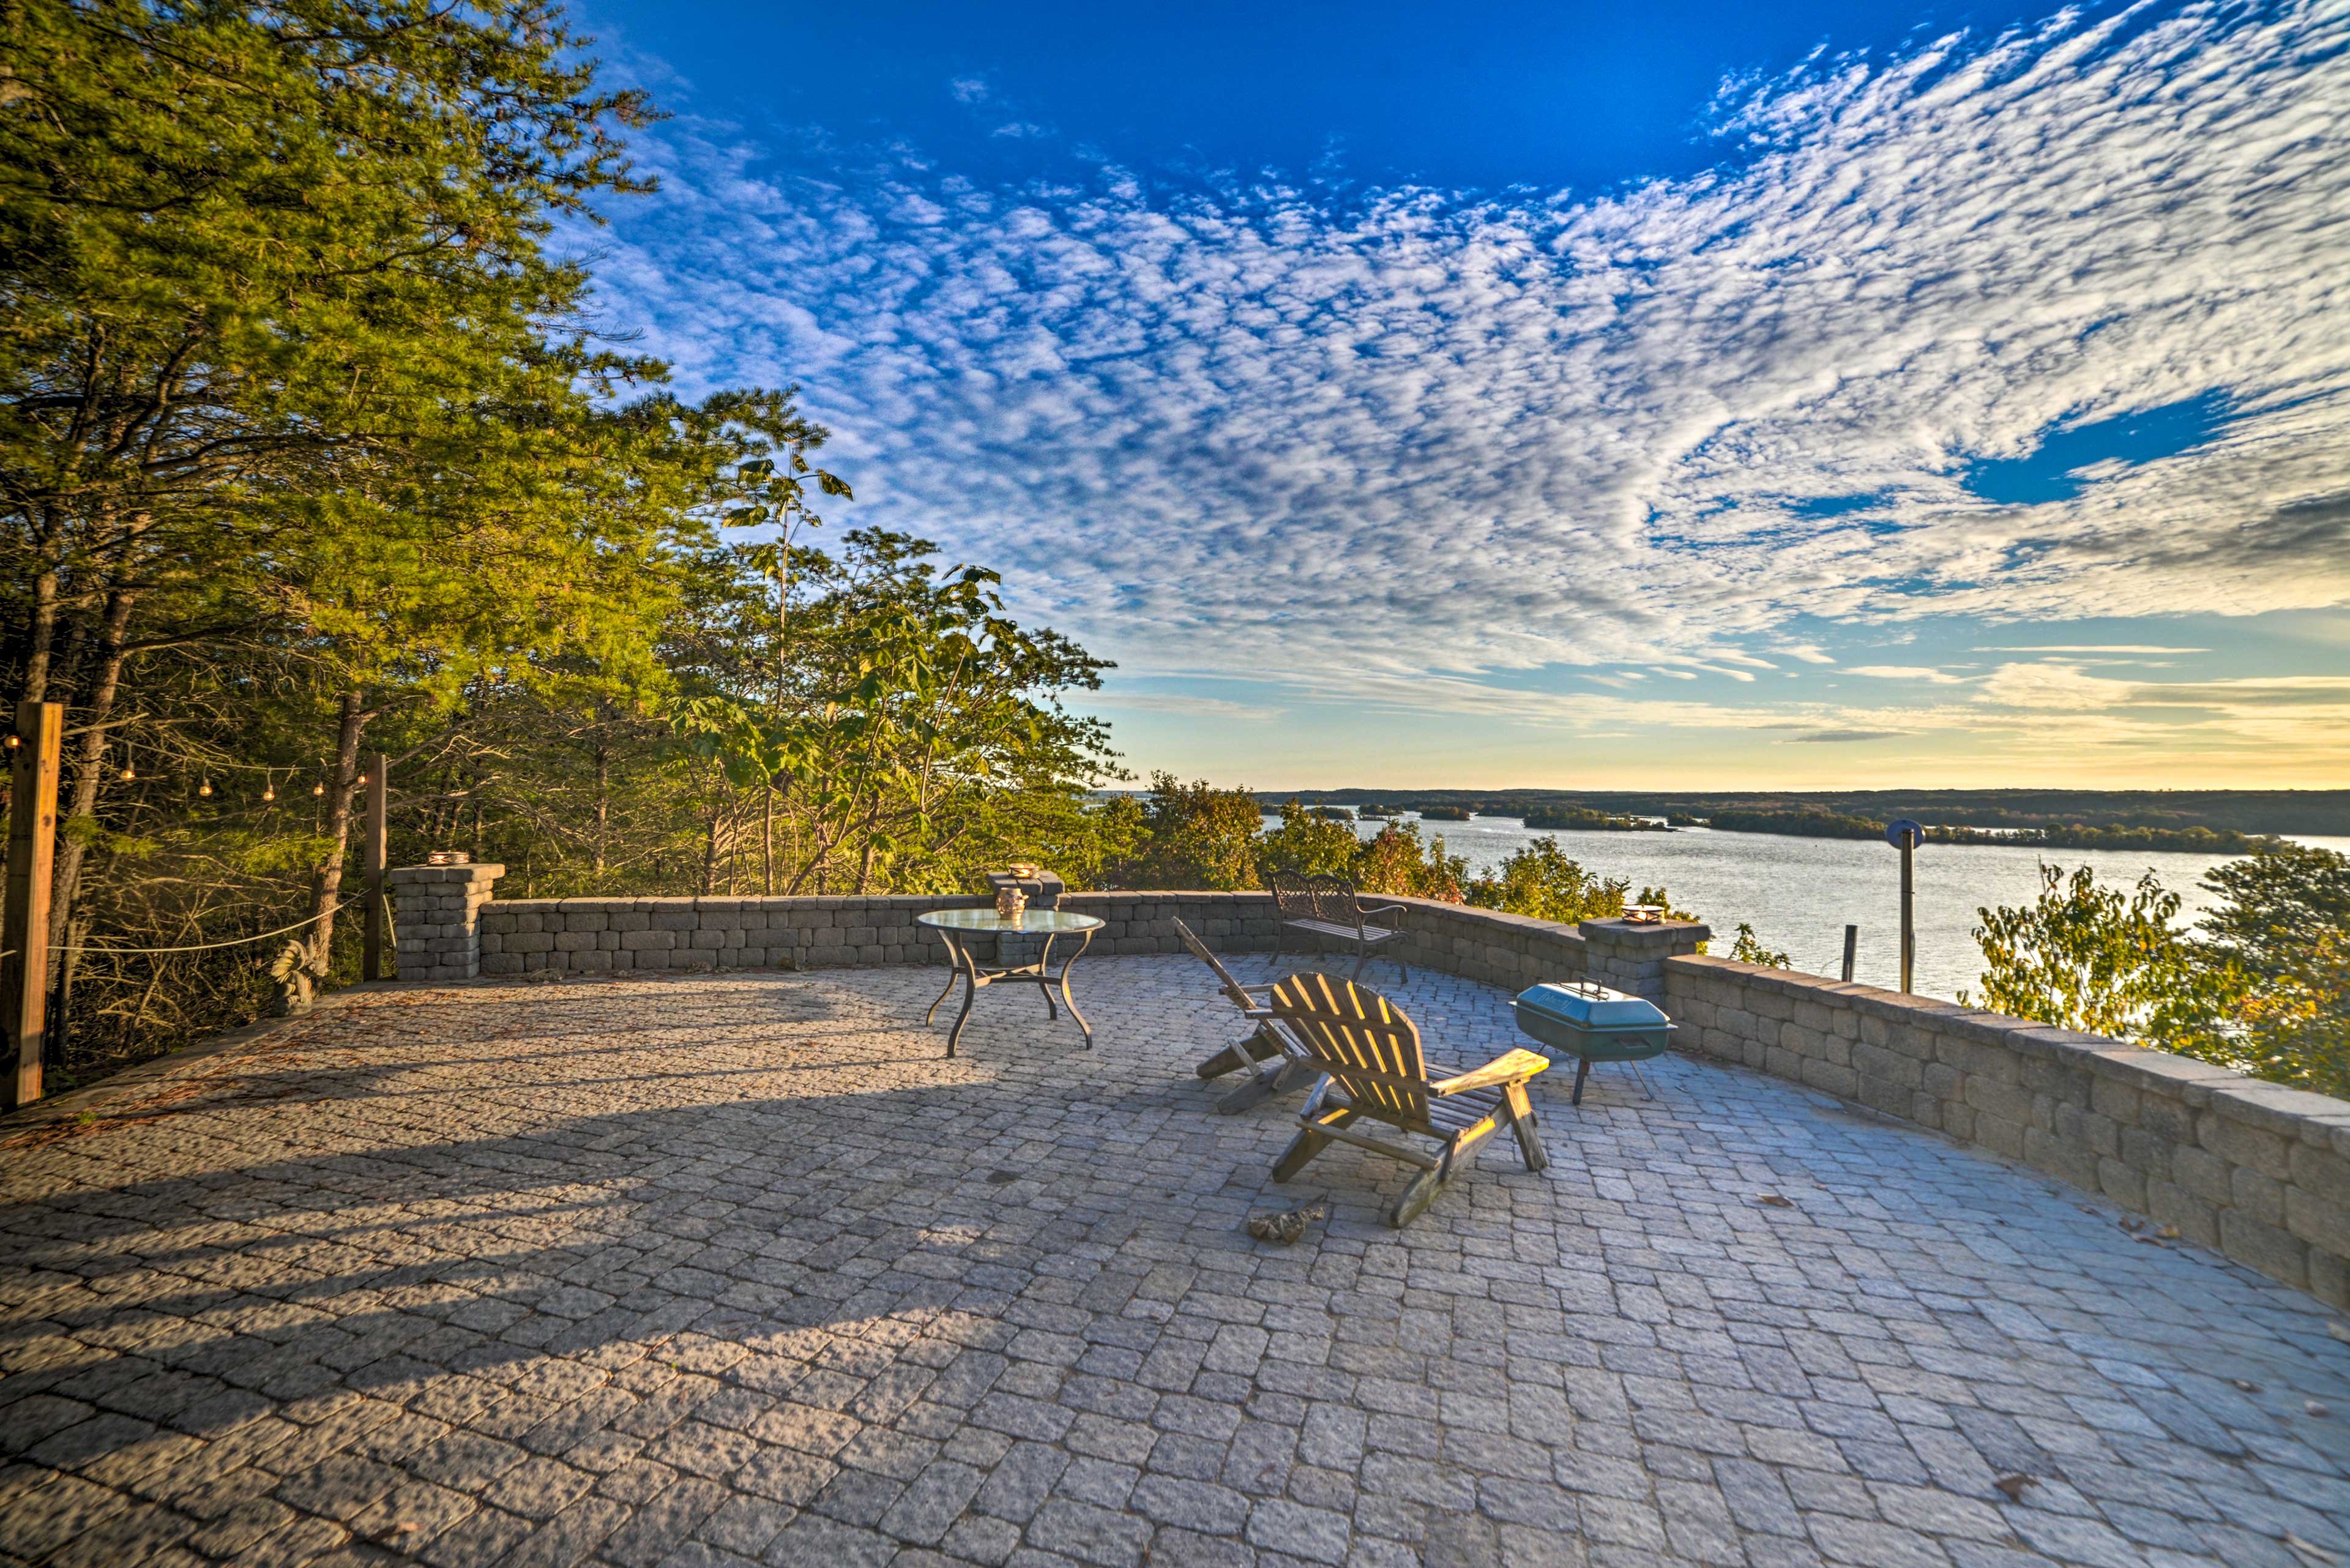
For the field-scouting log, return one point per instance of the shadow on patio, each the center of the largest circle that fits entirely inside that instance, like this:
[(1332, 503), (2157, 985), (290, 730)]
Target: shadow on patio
[(740, 1264)]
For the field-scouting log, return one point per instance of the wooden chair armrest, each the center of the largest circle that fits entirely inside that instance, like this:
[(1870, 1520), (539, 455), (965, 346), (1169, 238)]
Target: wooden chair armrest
[(1514, 1067)]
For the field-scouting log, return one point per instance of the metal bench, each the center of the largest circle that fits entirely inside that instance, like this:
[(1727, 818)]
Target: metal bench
[(1328, 909)]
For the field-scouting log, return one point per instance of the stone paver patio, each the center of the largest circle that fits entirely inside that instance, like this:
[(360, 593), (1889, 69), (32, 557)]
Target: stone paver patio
[(735, 1267)]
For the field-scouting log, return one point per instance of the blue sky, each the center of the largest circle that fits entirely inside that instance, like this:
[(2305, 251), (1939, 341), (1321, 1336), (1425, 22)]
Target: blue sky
[(1804, 395)]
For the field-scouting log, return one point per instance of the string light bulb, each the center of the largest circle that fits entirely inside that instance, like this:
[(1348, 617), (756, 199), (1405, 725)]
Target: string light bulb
[(269, 792), (317, 789), (128, 774), (362, 779), (15, 741), (205, 788)]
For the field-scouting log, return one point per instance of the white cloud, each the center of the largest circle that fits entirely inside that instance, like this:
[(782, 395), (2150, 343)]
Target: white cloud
[(2086, 648), (1904, 673), (1360, 439), (2053, 686), (1189, 707)]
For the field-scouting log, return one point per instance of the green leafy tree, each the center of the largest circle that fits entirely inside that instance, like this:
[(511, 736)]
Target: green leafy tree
[(2296, 1020), (2087, 956), (1196, 836), (2277, 907), (2282, 924), (1750, 948), (1309, 843), (1542, 880), (1397, 860)]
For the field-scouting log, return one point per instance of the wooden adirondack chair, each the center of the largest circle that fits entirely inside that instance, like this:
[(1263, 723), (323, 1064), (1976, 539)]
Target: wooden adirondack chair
[(1277, 1060), (1329, 908), (1370, 1055)]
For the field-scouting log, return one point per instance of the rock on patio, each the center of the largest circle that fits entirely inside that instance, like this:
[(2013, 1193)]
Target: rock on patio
[(731, 1268)]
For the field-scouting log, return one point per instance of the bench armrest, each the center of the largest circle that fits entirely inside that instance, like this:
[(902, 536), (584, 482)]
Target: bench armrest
[(1363, 911), (1512, 1067)]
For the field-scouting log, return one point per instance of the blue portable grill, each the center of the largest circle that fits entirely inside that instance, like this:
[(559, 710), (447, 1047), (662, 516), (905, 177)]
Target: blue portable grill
[(1593, 1023)]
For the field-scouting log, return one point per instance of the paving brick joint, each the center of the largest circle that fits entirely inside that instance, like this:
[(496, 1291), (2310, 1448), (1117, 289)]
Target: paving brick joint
[(736, 1268)]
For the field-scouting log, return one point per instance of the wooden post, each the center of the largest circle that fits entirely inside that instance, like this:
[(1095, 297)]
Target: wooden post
[(377, 788), (1851, 948), (25, 923), (1909, 924)]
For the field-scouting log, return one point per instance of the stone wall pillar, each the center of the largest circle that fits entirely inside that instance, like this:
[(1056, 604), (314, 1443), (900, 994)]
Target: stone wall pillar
[(437, 915), (1626, 956)]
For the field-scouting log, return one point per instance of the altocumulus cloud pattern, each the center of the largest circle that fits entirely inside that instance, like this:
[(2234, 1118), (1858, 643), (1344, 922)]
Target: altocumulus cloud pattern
[(1308, 423)]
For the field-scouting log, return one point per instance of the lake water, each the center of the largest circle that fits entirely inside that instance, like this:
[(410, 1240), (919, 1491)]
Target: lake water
[(1800, 893)]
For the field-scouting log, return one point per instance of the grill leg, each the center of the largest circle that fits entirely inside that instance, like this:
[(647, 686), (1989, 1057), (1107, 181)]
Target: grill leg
[(1581, 1071)]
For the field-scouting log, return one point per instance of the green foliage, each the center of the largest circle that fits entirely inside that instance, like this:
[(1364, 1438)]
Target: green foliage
[(2277, 907), (1396, 860), (1541, 881), (1310, 844), (1750, 948), (2197, 840), (2094, 958), (304, 453), (1196, 836), (2282, 924), (1584, 819), (1807, 823), (2264, 988), (2296, 1019), (2088, 957)]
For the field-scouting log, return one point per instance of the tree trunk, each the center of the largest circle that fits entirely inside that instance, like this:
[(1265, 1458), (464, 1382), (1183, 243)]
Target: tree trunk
[(90, 771), (603, 801), (327, 877), (710, 857), (43, 634)]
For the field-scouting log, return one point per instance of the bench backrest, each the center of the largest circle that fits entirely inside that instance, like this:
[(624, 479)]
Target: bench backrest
[(1318, 898), (1359, 1038)]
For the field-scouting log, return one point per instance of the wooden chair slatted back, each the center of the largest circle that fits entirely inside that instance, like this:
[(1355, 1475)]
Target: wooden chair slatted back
[(1348, 1025), (1233, 986)]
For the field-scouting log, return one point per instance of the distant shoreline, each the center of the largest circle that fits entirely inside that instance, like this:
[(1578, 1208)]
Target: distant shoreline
[(2141, 815)]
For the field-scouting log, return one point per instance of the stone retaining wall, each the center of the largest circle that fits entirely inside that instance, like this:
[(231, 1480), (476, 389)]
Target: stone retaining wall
[(587, 935), (2254, 1170)]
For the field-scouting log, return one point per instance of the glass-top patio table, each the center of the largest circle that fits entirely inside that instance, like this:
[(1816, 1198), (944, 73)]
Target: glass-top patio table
[(957, 927)]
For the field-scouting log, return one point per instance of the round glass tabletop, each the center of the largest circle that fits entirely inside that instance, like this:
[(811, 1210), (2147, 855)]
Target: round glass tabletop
[(1036, 921)]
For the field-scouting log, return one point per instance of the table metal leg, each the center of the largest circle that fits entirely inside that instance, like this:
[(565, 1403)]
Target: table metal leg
[(1067, 999), (954, 972), (970, 993), (1043, 968)]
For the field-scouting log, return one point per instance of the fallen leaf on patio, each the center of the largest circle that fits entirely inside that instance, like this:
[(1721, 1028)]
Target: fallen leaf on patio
[(2249, 1388), (2168, 1232), (2133, 1224), (2315, 1408), (1283, 1228), (2313, 1553), (1773, 1200), (2338, 1329), (2014, 1485)]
